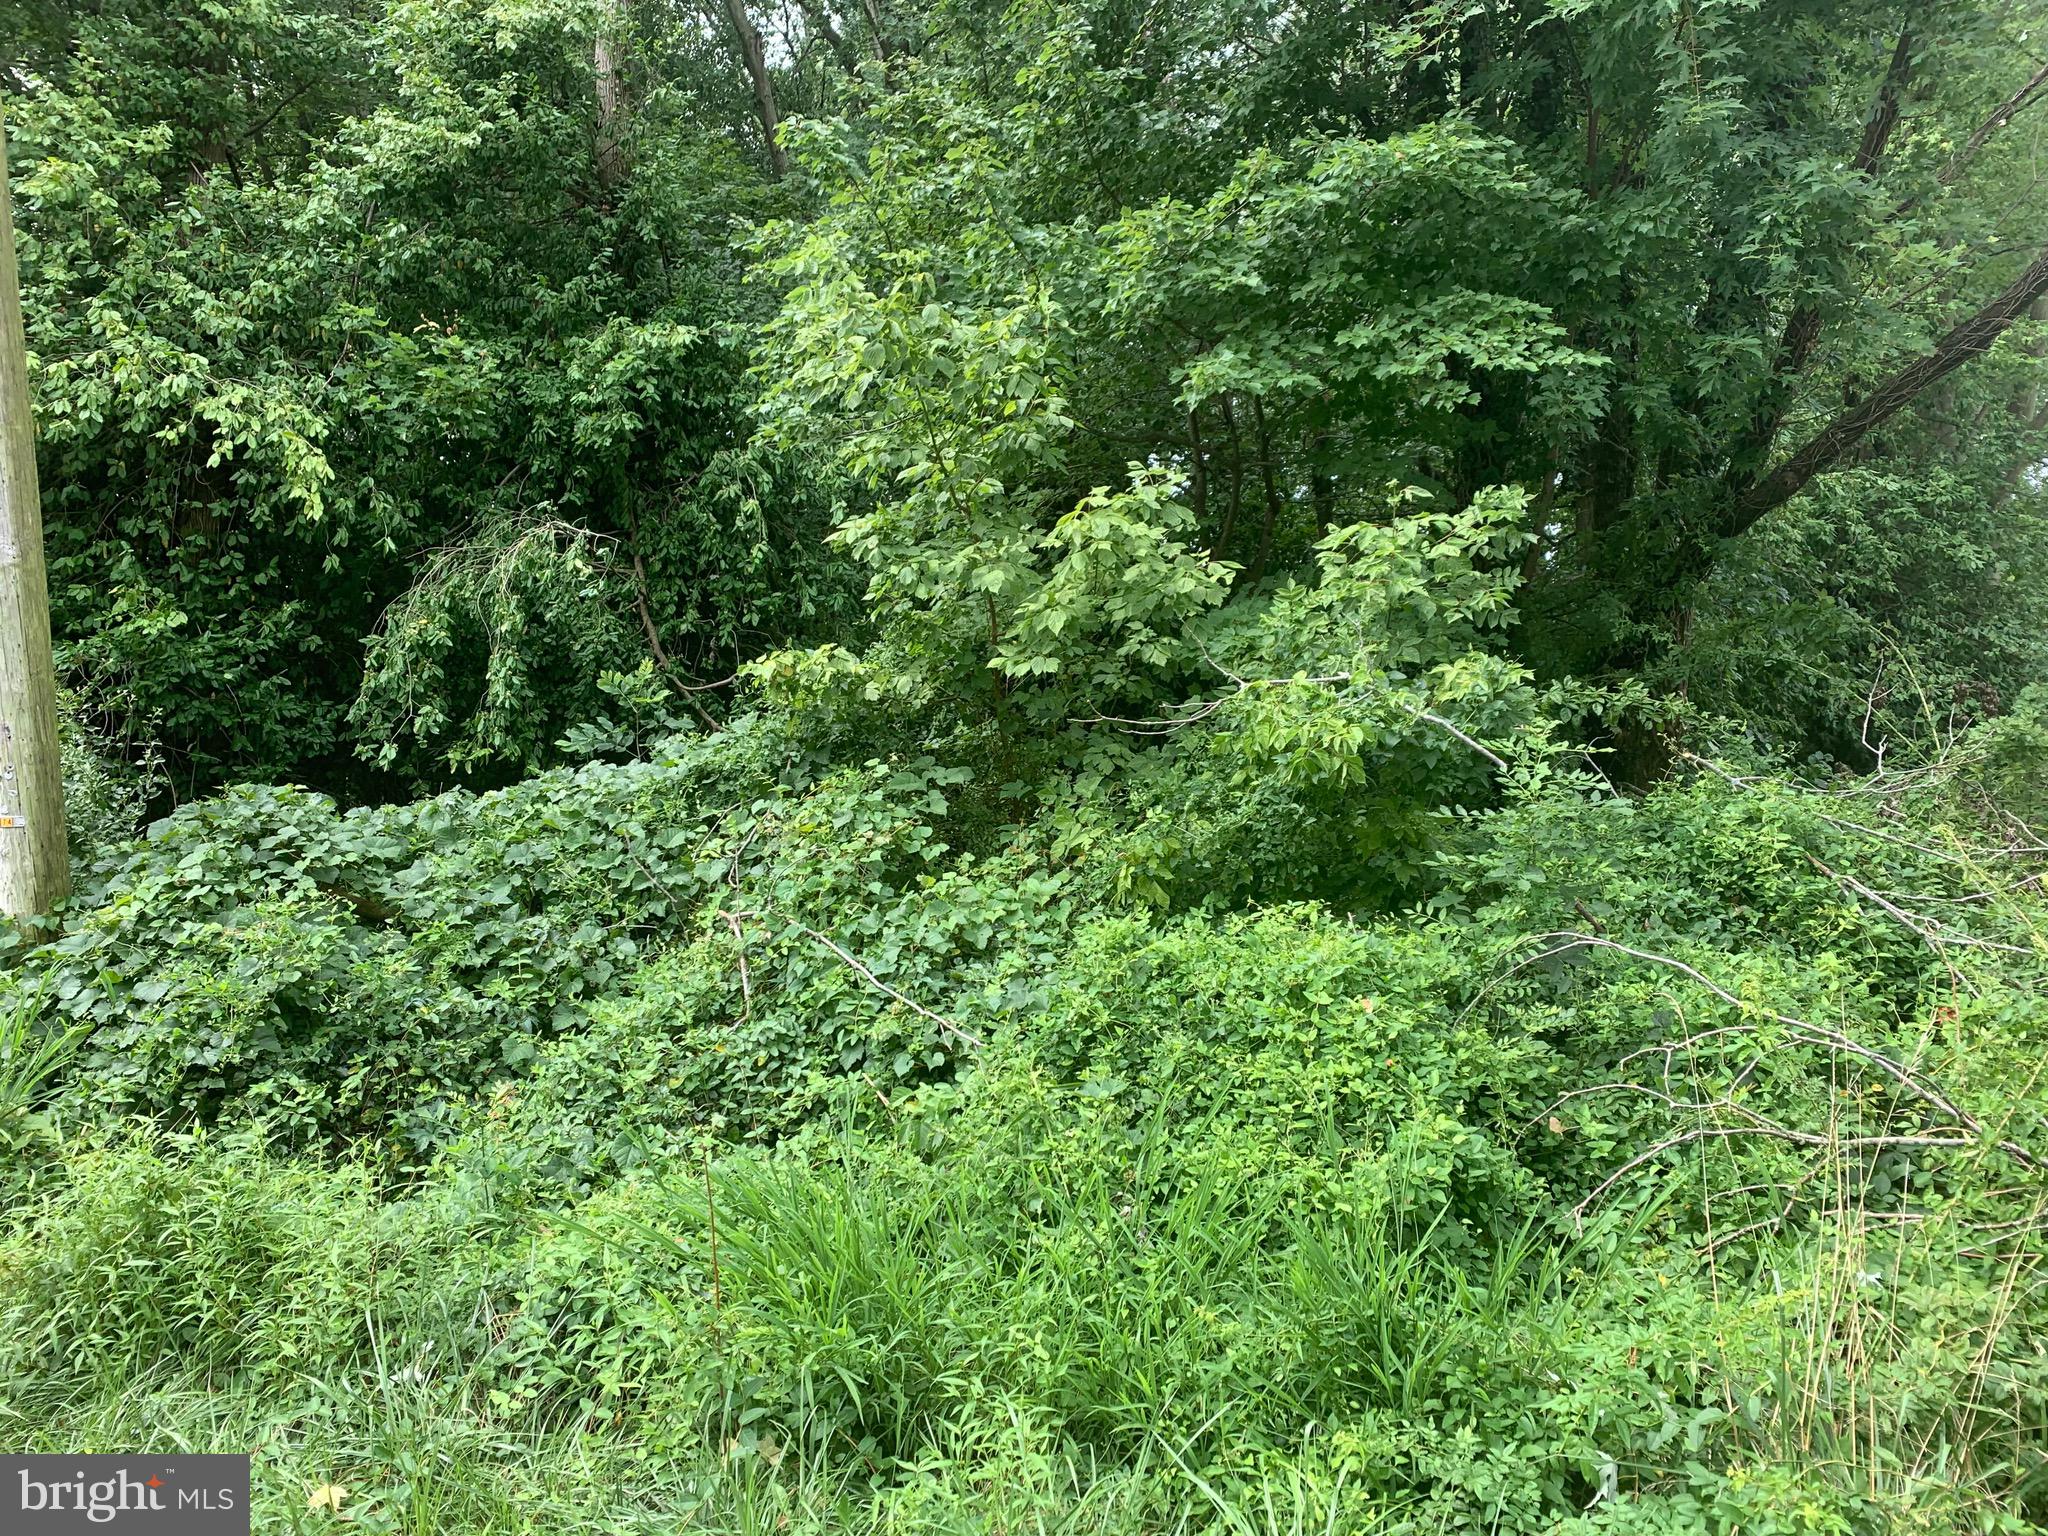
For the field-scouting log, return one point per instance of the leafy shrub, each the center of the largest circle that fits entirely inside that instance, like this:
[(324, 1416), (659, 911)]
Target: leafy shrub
[(371, 971), (822, 1117), (266, 954)]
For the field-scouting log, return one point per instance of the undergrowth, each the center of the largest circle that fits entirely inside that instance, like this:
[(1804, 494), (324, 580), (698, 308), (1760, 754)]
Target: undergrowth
[(712, 1143)]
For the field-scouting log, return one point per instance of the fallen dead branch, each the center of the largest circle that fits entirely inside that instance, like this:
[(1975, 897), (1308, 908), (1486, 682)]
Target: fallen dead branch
[(1722, 1114)]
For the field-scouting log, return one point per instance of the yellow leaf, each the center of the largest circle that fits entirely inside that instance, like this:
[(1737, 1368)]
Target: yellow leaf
[(327, 1496)]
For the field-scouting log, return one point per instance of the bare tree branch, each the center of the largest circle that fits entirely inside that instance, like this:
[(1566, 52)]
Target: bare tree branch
[(821, 18), (1195, 711), (883, 987), (1915, 1084)]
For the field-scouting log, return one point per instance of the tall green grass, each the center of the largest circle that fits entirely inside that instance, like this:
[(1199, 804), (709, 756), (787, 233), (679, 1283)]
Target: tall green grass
[(1112, 1337)]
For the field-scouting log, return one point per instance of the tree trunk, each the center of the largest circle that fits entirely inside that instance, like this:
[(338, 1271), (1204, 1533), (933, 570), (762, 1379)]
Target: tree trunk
[(881, 38), (1648, 565), (1272, 495), (1236, 501), (755, 54), (2025, 407), (611, 96), (1803, 325), (35, 864)]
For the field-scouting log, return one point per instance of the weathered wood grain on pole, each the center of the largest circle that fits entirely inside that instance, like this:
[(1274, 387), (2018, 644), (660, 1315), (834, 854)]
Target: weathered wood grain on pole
[(35, 865)]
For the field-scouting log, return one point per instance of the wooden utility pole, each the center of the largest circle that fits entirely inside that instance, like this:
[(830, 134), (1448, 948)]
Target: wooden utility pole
[(35, 863)]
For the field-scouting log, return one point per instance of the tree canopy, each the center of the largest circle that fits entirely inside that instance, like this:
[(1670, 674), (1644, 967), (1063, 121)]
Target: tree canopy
[(406, 370)]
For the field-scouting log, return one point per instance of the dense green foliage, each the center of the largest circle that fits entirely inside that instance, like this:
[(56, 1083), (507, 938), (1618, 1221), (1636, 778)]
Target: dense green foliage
[(1140, 1217), (372, 320), (1061, 766), (388, 356)]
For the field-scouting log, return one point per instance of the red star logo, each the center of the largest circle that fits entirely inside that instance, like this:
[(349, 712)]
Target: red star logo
[(154, 1481)]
